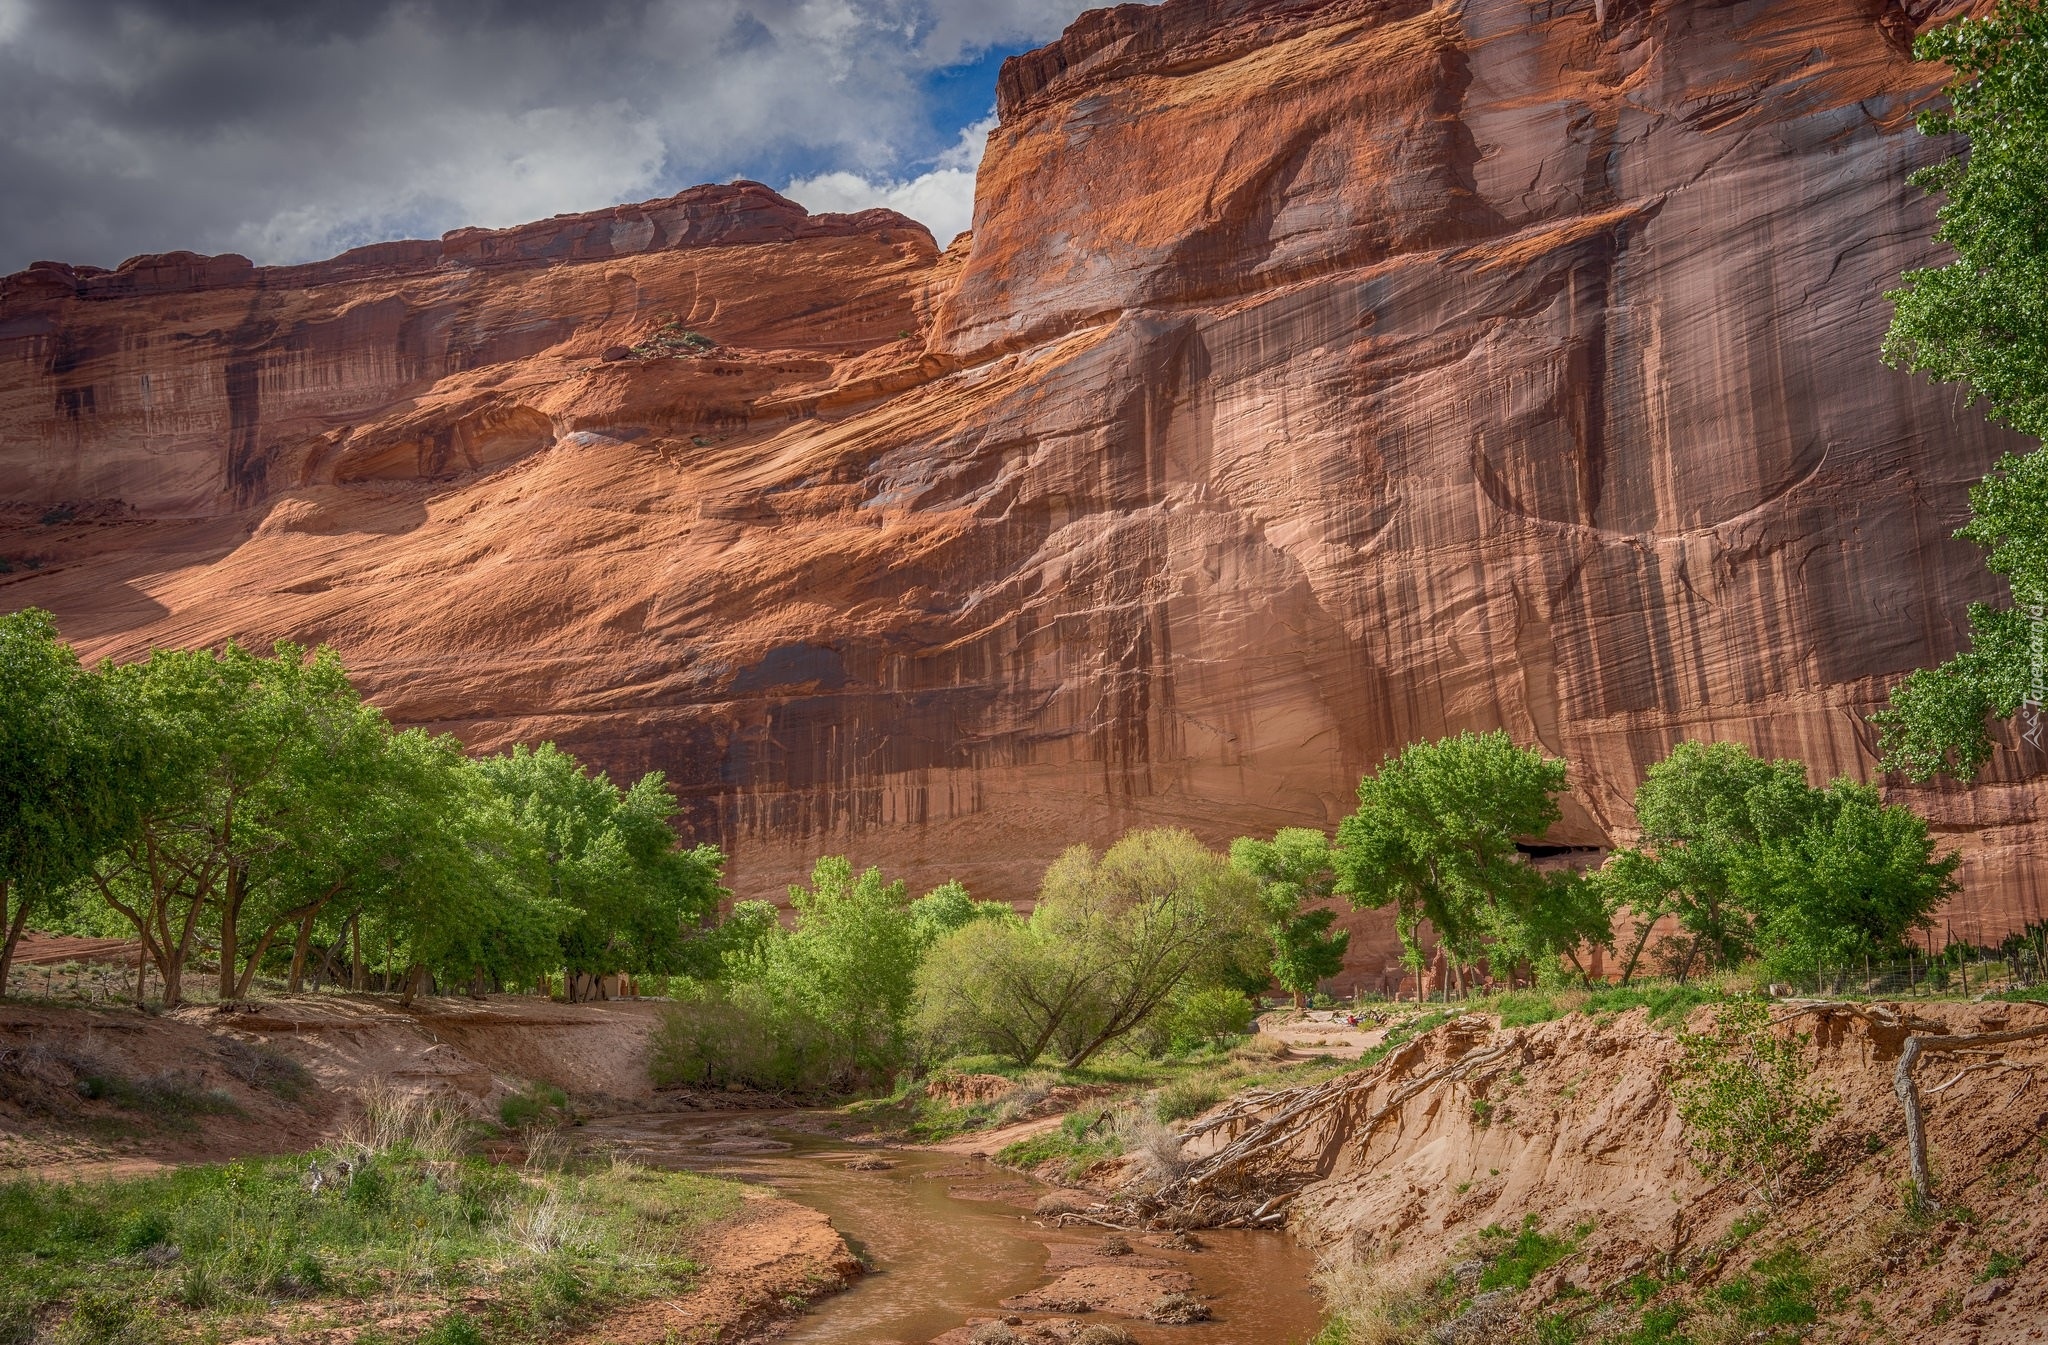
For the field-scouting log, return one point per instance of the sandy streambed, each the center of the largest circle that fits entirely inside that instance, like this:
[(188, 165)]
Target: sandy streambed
[(951, 1240)]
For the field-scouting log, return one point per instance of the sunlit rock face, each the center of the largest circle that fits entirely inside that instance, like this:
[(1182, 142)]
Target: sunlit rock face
[(1319, 377)]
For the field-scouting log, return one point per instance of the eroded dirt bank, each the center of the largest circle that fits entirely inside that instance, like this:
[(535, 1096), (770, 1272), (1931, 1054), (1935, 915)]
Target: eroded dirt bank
[(1400, 1166)]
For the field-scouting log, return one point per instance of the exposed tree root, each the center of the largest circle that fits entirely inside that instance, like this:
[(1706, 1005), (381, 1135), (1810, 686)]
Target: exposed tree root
[(1239, 1185)]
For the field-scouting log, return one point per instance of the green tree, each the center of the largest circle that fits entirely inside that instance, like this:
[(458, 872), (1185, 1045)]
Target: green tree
[(453, 880), (1840, 876), (837, 985), (1982, 320), (948, 907), (1154, 914), (1292, 870), (1115, 942), (65, 764), (1435, 836), (233, 754), (639, 900), (1750, 858), (1693, 816), (991, 985)]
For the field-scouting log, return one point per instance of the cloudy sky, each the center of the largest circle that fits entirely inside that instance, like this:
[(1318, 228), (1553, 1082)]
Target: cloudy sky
[(292, 129)]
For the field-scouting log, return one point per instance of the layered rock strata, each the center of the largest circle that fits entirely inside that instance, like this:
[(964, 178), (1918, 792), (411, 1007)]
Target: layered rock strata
[(1321, 375)]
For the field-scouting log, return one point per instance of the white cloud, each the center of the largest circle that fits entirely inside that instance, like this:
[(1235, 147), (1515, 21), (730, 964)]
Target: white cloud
[(292, 132), (942, 199)]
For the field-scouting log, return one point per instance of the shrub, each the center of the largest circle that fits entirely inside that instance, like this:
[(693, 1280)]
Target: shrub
[(1188, 1097), (1744, 1095), (453, 1329), (143, 1228), (540, 1102)]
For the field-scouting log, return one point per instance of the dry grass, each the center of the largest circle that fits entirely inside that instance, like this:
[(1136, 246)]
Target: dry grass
[(1263, 1047), (1376, 1308), (387, 1118)]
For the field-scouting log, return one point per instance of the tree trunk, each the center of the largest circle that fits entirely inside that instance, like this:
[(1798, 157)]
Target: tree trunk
[(1916, 1125), (355, 974), (230, 944), (1628, 968), (413, 976), (15, 924), (300, 947)]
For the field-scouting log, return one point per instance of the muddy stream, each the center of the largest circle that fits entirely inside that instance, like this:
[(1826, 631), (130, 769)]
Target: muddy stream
[(951, 1238)]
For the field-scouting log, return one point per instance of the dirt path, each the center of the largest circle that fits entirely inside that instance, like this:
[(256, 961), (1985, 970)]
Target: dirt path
[(1321, 1032)]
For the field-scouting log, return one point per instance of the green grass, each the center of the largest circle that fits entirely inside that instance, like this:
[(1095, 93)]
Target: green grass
[(1078, 1144), (1773, 1299), (201, 1249), (1515, 1257), (1668, 1004)]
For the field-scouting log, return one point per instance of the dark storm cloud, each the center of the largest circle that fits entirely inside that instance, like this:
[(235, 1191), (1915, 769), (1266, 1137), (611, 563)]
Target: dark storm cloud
[(293, 130)]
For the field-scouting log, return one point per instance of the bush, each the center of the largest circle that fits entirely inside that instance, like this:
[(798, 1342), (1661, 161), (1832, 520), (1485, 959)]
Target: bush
[(1744, 1096), (143, 1229), (540, 1103), (1188, 1097), (453, 1329)]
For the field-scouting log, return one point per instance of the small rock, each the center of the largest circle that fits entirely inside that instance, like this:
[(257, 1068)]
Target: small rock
[(1988, 1292), (1180, 1240), (1114, 1245), (613, 354)]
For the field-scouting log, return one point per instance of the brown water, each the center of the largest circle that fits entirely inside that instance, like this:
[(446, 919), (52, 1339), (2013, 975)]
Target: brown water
[(949, 1238)]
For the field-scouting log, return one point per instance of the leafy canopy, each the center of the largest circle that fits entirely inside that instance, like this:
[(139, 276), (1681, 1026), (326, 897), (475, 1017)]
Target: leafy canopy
[(1435, 836), (1117, 943), (1982, 320), (638, 900), (1749, 858), (1292, 870), (64, 763)]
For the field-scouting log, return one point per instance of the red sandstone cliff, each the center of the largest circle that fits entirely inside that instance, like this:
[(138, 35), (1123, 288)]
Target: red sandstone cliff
[(1322, 375)]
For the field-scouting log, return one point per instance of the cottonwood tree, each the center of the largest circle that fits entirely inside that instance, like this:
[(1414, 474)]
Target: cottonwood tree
[(1982, 321), (1435, 836), (1749, 859), (1292, 870), (1694, 818), (235, 752), (65, 767), (613, 858), (1115, 940), (1156, 912), (835, 988)]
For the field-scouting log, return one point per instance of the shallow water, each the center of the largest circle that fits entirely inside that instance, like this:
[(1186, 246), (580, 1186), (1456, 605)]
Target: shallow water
[(940, 1255)]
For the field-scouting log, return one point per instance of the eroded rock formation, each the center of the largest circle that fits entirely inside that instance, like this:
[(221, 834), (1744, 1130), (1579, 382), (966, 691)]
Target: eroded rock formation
[(1321, 375)]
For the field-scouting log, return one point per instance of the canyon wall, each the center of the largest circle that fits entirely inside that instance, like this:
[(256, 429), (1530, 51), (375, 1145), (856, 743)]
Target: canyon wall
[(1321, 375)]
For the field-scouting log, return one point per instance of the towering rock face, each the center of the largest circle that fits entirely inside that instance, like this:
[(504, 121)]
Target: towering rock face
[(1322, 375)]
